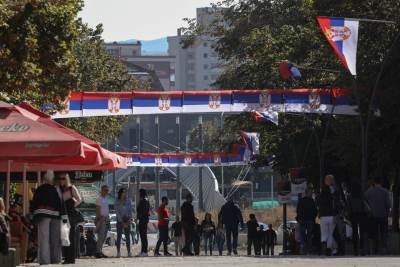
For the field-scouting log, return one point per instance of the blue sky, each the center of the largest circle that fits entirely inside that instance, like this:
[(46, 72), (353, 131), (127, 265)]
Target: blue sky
[(139, 19)]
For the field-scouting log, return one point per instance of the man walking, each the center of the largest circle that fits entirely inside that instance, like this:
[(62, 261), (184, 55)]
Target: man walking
[(188, 224), (102, 220), (378, 199), (306, 214), (163, 221), (230, 216), (143, 213)]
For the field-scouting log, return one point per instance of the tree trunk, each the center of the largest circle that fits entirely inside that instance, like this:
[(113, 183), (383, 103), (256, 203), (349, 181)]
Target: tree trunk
[(396, 198)]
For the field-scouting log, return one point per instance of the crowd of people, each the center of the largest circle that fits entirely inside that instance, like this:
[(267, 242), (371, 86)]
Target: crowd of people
[(345, 213), (342, 210)]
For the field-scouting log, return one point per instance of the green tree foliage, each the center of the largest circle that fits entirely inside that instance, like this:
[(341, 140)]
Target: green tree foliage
[(46, 51), (37, 39), (253, 36)]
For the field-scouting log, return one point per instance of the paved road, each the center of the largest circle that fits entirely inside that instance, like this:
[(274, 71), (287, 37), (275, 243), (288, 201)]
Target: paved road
[(239, 261)]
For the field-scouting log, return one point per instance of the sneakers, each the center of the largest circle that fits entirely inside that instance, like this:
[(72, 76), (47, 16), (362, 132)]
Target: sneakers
[(129, 254), (167, 254), (156, 254), (142, 254)]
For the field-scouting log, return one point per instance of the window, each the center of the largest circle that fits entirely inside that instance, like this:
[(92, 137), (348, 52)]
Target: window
[(205, 55), (190, 55), (191, 66), (205, 77), (205, 66), (190, 78)]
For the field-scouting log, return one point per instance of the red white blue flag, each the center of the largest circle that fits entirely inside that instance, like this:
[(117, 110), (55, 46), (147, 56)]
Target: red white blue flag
[(342, 34)]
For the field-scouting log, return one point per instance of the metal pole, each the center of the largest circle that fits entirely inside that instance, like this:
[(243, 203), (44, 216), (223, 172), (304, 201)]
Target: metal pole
[(25, 196), (8, 185), (178, 170), (285, 233), (222, 166), (138, 168), (272, 187), (156, 170), (201, 201)]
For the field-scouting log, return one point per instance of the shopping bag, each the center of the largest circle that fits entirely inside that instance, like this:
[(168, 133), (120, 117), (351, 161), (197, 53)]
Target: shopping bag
[(65, 228)]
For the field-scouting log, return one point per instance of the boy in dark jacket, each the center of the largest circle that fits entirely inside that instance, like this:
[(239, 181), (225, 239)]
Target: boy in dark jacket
[(306, 214), (252, 234), (270, 240), (143, 213)]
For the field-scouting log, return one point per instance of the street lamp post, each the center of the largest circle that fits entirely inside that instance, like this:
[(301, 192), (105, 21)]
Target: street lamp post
[(156, 170), (201, 201), (178, 171), (138, 169)]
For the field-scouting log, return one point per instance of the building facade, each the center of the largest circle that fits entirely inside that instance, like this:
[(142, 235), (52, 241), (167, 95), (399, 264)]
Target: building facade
[(159, 70), (198, 66)]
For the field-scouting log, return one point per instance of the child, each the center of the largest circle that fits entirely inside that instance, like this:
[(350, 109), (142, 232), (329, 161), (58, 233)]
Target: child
[(261, 240), (197, 238), (252, 232), (177, 236), (220, 238), (208, 233), (270, 240)]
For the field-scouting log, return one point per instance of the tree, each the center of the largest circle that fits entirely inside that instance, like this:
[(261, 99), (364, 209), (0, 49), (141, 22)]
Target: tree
[(99, 71), (46, 51), (37, 39), (254, 35)]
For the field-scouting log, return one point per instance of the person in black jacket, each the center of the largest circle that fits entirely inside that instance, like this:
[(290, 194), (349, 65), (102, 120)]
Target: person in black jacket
[(357, 212), (47, 211), (327, 213), (230, 216), (252, 234), (188, 224), (143, 214), (306, 214)]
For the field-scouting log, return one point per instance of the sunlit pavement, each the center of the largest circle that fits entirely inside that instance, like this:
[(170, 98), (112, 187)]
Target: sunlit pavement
[(240, 261)]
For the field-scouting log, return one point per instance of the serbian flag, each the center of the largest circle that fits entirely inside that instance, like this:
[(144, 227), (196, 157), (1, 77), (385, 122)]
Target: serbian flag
[(252, 142), (271, 116), (342, 34), (288, 69)]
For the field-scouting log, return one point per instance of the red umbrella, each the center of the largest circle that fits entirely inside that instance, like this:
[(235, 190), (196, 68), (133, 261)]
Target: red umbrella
[(109, 159), (24, 138)]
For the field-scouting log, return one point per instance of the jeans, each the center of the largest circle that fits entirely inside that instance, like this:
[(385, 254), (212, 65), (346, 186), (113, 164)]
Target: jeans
[(232, 233), (143, 236), (358, 226), (327, 228), (101, 230), (379, 231), (121, 229), (306, 236), (252, 242), (220, 244), (208, 242), (178, 242), (269, 249), (163, 238), (49, 239), (189, 234)]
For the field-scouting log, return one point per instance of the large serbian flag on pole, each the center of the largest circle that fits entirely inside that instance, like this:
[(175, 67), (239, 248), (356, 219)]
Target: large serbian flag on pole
[(342, 34)]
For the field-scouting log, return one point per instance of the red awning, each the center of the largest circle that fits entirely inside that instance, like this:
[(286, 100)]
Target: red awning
[(26, 139)]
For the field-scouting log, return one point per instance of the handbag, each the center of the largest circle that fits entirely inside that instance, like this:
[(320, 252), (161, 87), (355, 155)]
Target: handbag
[(76, 217), (65, 228)]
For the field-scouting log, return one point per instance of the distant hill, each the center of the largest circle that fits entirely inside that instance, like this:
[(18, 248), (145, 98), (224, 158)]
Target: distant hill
[(151, 47)]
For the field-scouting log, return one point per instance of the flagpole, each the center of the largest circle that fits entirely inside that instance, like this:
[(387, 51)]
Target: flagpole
[(364, 20)]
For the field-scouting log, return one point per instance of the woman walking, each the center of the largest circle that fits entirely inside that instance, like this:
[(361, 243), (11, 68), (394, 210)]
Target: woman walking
[(72, 199), (123, 209), (208, 232)]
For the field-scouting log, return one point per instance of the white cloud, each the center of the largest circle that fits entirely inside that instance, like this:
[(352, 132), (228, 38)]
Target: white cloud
[(143, 20)]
